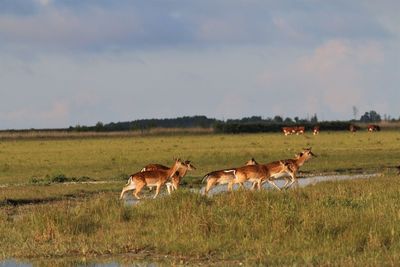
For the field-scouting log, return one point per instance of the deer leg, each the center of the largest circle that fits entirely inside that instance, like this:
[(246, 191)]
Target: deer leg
[(129, 187), (293, 180), (175, 184), (273, 184), (210, 184), (157, 190), (253, 186), (139, 187), (286, 183), (169, 188), (230, 186)]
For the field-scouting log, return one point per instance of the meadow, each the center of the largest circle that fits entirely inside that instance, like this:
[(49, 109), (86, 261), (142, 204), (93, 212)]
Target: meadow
[(43, 214)]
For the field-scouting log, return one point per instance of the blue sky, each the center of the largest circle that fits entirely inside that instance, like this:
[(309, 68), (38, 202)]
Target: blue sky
[(75, 62)]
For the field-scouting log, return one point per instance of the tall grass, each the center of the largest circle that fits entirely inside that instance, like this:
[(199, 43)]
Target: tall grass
[(333, 223)]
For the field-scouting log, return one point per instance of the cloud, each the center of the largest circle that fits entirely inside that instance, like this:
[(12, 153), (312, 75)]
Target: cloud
[(330, 78), (121, 60), (103, 25)]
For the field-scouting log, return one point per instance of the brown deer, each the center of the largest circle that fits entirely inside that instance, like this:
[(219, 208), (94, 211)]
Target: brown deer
[(316, 130), (257, 174), (291, 169), (251, 161), (294, 166), (222, 176), (150, 178), (353, 128), (176, 178), (293, 130), (373, 128)]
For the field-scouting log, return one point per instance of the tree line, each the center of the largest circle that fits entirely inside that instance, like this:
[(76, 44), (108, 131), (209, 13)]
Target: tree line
[(251, 124)]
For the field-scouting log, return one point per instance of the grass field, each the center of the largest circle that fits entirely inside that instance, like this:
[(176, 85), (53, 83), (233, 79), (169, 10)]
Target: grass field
[(116, 158), (332, 223)]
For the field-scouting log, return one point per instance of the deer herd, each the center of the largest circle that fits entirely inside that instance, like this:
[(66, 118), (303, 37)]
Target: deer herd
[(157, 175)]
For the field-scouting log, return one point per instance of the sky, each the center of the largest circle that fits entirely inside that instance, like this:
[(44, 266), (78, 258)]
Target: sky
[(77, 62)]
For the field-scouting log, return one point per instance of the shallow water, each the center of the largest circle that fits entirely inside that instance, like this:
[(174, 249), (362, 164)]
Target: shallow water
[(302, 182), (14, 263)]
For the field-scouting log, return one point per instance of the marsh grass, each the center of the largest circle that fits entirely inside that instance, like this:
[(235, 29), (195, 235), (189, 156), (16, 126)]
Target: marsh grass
[(118, 157), (332, 223), (353, 222)]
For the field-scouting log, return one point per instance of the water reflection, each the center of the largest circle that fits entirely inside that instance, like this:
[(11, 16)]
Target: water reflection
[(14, 263), (131, 200), (303, 182)]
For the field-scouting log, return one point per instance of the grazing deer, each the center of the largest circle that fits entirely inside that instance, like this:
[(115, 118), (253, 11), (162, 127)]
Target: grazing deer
[(150, 178), (316, 130), (222, 176), (293, 130), (176, 178), (373, 128), (353, 128), (300, 130)]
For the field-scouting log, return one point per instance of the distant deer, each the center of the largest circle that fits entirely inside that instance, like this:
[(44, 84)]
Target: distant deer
[(373, 128), (353, 128), (316, 130), (150, 178)]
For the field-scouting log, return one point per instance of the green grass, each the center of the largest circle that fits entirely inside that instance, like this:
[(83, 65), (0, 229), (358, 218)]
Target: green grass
[(334, 223), (116, 158)]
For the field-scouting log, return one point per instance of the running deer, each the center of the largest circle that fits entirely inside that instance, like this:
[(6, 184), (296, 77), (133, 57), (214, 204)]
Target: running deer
[(290, 172), (222, 176), (176, 178), (150, 178), (257, 174), (293, 167)]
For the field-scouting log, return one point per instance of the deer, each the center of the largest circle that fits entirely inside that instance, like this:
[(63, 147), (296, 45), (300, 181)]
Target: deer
[(176, 178), (290, 172), (293, 167), (222, 176), (257, 174), (316, 130), (150, 178), (373, 128), (353, 128)]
